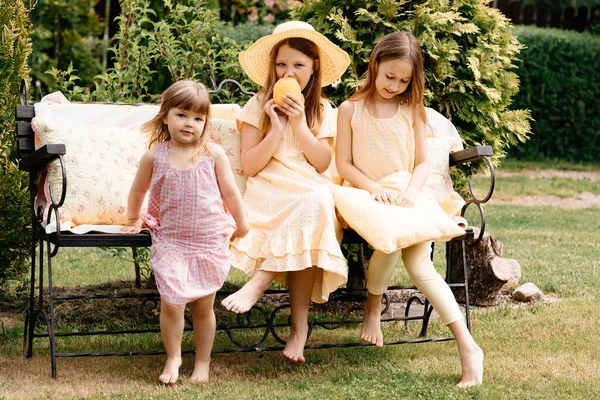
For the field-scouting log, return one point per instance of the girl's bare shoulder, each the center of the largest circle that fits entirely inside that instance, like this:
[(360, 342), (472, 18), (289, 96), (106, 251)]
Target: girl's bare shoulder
[(149, 155), (346, 109), (216, 152)]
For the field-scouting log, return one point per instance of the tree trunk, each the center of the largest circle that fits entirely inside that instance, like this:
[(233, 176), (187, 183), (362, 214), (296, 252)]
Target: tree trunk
[(487, 270)]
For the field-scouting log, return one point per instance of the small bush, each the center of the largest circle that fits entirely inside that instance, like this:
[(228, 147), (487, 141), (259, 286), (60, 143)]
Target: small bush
[(560, 83)]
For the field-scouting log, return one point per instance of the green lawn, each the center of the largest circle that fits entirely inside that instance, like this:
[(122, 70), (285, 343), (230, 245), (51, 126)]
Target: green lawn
[(542, 351)]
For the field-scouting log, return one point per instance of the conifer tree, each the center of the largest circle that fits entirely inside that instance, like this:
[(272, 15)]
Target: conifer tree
[(469, 55)]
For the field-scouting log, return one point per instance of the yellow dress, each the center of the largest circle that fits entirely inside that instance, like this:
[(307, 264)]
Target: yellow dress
[(291, 214), (383, 149), (382, 146)]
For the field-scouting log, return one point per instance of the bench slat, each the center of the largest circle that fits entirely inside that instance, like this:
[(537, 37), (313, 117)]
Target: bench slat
[(24, 130), (42, 156), (24, 112), (25, 145), (142, 239), (470, 154)]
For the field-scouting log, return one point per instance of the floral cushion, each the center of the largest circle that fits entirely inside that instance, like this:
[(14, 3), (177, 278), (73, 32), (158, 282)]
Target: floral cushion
[(100, 163), (226, 135), (442, 139)]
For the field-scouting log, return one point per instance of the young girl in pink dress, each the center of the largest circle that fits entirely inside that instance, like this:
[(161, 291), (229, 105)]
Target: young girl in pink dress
[(189, 180), (381, 132), (286, 148)]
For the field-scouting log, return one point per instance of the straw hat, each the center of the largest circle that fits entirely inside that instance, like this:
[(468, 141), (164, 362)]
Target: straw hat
[(255, 60)]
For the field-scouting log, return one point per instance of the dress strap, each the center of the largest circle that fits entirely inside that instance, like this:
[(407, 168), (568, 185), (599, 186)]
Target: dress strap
[(161, 156), (358, 112)]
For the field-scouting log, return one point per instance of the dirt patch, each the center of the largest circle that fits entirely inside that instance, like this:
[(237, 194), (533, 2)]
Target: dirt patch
[(553, 173), (581, 200)]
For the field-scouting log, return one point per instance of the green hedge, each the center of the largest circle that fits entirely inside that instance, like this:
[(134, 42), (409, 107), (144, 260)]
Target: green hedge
[(560, 84), (15, 46)]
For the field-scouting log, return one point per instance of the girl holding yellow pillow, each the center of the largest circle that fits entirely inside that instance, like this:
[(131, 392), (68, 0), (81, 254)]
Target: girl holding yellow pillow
[(381, 148)]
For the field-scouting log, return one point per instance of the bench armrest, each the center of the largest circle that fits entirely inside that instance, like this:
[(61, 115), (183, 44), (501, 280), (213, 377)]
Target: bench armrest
[(471, 154), (42, 156)]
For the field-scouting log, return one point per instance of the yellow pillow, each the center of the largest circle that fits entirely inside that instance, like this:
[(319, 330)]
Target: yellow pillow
[(101, 162), (390, 228)]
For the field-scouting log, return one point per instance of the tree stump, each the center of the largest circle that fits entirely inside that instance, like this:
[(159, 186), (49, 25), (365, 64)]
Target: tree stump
[(487, 271)]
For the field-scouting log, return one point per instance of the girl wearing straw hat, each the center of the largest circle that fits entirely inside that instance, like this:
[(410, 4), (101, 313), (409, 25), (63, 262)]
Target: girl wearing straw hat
[(286, 148)]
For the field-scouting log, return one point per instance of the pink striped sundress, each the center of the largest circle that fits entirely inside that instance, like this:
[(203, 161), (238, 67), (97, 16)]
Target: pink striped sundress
[(190, 229)]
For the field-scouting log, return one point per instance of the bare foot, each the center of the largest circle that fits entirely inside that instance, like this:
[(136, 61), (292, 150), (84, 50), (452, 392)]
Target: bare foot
[(294, 349), (472, 368), (243, 300), (200, 374), (370, 330), (170, 373)]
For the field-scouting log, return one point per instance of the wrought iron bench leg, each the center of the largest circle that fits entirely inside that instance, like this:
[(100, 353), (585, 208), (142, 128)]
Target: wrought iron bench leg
[(30, 315), (51, 324)]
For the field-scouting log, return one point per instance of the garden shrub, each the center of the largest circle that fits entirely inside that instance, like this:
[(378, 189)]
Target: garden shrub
[(255, 11), (15, 47), (469, 55), (560, 83), (65, 32), (246, 34), (150, 53)]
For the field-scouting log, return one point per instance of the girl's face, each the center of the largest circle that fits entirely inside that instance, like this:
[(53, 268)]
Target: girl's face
[(295, 64), (185, 127), (393, 77)]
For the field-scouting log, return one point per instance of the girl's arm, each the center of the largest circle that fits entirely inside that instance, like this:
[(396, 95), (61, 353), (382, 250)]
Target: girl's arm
[(137, 193), (256, 149), (421, 169), (318, 152), (229, 192)]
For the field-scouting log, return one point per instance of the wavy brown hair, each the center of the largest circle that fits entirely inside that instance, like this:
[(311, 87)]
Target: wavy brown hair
[(186, 95), (312, 92), (401, 45)]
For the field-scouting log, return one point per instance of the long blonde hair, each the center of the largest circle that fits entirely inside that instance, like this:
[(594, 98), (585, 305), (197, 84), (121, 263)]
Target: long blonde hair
[(401, 45), (312, 92), (186, 95)]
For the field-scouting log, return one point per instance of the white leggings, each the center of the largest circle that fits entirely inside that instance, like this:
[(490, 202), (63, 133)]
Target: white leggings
[(419, 266)]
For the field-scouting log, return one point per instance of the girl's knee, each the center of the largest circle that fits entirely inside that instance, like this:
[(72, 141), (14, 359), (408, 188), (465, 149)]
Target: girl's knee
[(203, 307), (170, 307), (320, 194)]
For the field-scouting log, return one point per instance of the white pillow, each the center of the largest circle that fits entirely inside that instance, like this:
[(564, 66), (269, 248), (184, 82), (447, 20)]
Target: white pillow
[(101, 162)]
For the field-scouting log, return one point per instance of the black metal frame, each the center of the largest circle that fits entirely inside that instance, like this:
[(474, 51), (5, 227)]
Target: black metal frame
[(49, 244)]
